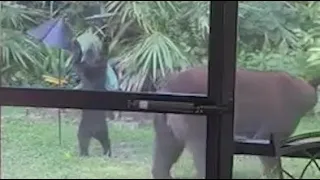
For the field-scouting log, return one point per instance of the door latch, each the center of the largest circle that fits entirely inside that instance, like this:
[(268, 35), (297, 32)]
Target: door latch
[(176, 107)]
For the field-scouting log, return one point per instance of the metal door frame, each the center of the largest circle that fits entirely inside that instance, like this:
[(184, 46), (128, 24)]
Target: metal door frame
[(217, 106), (220, 126)]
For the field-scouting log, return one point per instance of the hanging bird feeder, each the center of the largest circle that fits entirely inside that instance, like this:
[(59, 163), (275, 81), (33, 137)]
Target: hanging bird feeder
[(54, 33)]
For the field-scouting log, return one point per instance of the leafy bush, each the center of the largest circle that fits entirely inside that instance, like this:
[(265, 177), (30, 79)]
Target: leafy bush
[(148, 40)]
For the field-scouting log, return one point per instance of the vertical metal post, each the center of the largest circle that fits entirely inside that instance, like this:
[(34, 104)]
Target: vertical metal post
[(59, 110), (222, 55), (0, 87), (214, 77)]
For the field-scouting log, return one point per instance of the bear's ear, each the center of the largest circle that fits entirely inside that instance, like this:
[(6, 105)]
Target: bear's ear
[(75, 45), (76, 51)]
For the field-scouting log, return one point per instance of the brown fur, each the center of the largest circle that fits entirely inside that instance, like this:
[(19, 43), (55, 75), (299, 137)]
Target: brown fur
[(265, 103), (93, 123)]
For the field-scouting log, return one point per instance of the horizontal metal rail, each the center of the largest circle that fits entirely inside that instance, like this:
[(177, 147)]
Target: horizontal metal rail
[(97, 100), (266, 148)]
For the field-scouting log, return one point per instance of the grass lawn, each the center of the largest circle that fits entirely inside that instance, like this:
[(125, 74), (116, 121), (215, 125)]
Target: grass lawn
[(30, 149)]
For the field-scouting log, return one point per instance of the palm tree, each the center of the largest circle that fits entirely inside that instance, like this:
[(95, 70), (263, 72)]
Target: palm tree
[(17, 51)]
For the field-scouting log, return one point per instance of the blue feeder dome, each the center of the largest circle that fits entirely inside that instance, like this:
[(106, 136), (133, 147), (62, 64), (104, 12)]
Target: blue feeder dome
[(55, 33)]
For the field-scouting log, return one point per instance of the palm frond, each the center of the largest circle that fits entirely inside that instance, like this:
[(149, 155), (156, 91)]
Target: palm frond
[(19, 17), (274, 18), (17, 49), (155, 55)]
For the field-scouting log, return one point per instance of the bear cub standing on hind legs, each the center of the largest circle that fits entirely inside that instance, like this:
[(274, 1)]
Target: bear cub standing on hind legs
[(91, 68)]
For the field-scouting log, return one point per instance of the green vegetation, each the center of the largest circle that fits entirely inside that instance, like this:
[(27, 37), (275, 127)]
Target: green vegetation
[(30, 149), (145, 41)]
